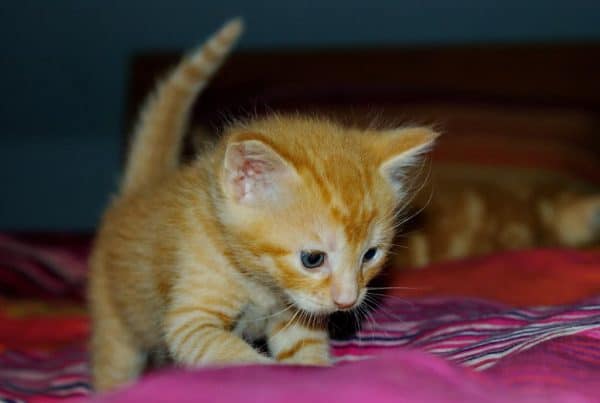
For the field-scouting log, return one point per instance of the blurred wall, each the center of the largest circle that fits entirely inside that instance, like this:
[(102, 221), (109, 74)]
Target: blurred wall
[(63, 73)]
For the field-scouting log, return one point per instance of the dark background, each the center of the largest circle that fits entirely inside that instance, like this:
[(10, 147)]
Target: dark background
[(63, 73)]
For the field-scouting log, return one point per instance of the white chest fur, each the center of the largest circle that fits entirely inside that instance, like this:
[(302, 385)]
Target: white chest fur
[(263, 306)]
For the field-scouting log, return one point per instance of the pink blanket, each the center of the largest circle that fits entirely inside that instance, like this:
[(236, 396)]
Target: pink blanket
[(399, 376)]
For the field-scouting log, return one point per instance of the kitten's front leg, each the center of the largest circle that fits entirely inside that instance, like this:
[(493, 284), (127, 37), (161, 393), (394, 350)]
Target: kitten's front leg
[(293, 340), (199, 322)]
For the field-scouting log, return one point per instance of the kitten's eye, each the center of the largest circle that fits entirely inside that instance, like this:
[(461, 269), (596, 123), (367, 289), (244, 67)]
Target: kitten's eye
[(369, 254), (313, 258)]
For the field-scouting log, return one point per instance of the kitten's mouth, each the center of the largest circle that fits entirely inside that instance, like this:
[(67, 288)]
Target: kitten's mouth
[(346, 309), (319, 312), (310, 307), (314, 307)]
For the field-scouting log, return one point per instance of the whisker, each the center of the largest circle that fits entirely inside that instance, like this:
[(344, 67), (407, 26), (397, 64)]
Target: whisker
[(390, 296), (357, 326), (394, 297), (413, 196), (398, 288), (361, 312), (418, 211), (288, 324), (407, 234), (371, 305), (370, 319), (387, 313), (426, 162), (267, 316)]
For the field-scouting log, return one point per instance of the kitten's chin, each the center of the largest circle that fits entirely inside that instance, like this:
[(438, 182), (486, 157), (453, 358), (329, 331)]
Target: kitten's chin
[(317, 310), (321, 310), (310, 306)]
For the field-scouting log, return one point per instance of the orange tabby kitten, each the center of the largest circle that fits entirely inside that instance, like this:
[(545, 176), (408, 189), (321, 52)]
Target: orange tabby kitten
[(282, 222), (463, 214)]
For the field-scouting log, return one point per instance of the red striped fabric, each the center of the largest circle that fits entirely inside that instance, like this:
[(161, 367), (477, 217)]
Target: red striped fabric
[(537, 347), (43, 355)]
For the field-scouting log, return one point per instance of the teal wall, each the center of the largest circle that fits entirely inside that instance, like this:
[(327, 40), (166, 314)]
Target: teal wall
[(63, 71)]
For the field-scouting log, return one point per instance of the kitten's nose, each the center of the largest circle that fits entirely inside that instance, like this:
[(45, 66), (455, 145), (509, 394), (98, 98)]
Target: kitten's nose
[(344, 305), (344, 290), (345, 301)]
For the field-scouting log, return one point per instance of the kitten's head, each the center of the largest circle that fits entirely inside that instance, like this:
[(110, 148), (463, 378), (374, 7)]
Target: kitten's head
[(310, 206)]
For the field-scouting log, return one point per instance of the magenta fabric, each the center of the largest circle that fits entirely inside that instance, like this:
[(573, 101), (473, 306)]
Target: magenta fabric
[(399, 376)]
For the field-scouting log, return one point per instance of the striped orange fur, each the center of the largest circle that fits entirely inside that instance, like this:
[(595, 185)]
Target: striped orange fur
[(191, 262)]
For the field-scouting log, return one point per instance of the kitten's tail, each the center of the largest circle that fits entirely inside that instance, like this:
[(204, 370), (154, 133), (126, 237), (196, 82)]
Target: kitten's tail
[(158, 137)]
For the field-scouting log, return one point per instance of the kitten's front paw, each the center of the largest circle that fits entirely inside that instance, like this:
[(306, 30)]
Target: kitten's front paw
[(319, 360), (264, 360), (253, 357), (305, 351)]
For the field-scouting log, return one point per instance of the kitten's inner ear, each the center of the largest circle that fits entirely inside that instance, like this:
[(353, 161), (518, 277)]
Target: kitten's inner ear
[(255, 173), (400, 149)]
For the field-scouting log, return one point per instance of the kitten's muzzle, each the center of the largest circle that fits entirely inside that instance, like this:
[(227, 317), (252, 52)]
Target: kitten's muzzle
[(344, 293)]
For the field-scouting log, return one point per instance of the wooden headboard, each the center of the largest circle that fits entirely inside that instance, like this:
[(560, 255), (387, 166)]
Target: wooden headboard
[(529, 89)]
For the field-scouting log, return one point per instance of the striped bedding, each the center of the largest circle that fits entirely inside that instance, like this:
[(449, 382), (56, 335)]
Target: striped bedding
[(465, 347)]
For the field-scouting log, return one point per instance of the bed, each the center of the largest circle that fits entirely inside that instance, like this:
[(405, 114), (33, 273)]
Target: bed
[(521, 325)]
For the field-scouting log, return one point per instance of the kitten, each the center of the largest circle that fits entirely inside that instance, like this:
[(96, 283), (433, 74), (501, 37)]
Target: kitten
[(462, 216), (281, 222)]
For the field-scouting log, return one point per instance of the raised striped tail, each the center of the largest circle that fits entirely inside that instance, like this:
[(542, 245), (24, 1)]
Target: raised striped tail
[(158, 136)]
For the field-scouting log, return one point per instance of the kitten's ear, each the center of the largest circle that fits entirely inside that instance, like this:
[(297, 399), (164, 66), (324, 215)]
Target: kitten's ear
[(398, 150), (255, 173)]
